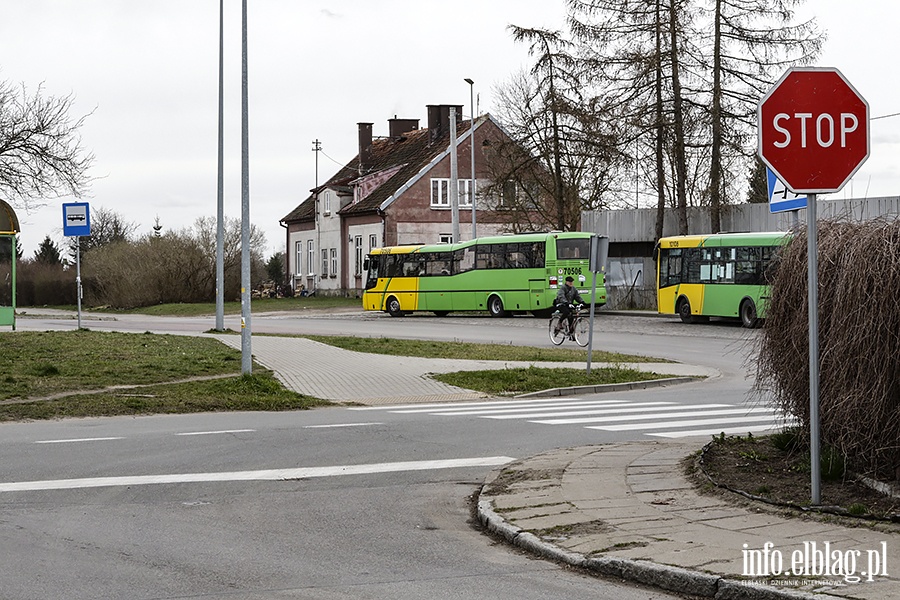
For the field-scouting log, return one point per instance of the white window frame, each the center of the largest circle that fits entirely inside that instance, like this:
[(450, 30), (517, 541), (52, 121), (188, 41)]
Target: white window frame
[(310, 257), (298, 257), (445, 238), (373, 241), (324, 262), (440, 192), (334, 264), (358, 251), (327, 208)]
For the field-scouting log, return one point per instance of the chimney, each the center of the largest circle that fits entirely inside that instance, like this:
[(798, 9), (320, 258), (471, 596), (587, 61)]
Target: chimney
[(366, 158), (439, 120), (397, 127)]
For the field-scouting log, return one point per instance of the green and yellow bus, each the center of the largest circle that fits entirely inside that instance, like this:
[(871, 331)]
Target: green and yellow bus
[(502, 275), (720, 275)]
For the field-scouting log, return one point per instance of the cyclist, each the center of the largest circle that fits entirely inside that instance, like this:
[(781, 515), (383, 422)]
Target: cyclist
[(566, 296)]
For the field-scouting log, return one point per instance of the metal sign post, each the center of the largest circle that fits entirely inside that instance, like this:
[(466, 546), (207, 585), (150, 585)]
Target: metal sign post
[(599, 256), (813, 299), (77, 224)]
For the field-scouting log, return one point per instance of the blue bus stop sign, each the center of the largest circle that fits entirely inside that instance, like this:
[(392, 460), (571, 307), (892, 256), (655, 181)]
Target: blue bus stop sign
[(782, 199), (76, 219)]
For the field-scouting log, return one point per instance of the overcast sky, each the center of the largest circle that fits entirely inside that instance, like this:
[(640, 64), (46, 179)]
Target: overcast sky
[(149, 72)]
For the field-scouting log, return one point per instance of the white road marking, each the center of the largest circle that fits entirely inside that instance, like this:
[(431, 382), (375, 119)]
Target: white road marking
[(698, 410), (577, 409), (530, 405), (701, 422), (69, 441), (727, 431), (399, 407), (264, 475), (340, 425), (216, 432)]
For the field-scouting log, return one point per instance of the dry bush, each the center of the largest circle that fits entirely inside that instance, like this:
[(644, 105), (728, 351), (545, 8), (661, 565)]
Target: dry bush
[(41, 284), (859, 341)]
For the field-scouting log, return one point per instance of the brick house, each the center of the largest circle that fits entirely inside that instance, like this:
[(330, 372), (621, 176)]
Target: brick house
[(395, 191)]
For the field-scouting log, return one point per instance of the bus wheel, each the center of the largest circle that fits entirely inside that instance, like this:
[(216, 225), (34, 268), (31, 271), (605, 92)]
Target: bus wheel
[(748, 314), (684, 311), (495, 307), (393, 307)]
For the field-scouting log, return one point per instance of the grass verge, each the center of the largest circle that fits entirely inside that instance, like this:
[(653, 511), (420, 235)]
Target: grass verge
[(44, 363), (256, 392), (258, 305), (506, 382), (463, 350)]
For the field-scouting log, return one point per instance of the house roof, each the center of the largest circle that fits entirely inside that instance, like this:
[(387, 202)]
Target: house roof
[(411, 152)]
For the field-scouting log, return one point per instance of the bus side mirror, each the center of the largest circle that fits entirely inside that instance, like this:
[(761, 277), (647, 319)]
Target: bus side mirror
[(366, 264)]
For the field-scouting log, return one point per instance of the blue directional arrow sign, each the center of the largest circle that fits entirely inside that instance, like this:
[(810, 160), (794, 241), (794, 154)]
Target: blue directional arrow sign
[(782, 199), (76, 219)]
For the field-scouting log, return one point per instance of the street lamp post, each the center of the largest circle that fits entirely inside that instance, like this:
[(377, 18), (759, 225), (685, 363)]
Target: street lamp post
[(472, 151)]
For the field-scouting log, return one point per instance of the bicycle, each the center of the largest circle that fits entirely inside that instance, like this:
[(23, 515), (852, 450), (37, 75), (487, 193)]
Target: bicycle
[(559, 328)]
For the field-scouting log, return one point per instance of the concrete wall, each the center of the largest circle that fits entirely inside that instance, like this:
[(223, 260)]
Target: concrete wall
[(631, 278)]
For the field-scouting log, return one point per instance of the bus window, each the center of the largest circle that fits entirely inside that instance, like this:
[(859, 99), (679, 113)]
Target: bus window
[(670, 267), (371, 266), (573, 248), (438, 263), (393, 265), (464, 260)]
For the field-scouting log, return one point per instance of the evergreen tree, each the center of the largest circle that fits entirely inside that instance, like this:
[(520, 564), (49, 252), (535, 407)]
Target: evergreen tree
[(47, 253)]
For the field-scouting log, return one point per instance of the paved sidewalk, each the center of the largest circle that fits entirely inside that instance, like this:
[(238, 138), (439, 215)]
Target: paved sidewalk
[(331, 373), (627, 510)]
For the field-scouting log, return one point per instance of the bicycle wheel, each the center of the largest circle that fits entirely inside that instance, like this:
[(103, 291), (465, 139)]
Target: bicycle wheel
[(582, 331), (557, 330)]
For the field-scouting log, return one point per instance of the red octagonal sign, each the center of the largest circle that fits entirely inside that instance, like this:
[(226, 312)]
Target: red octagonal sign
[(813, 130)]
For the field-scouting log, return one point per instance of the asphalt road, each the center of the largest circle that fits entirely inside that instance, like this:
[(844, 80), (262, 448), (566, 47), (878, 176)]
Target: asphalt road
[(126, 508)]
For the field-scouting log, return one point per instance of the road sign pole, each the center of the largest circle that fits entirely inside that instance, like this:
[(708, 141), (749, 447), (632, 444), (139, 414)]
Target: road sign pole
[(813, 296), (78, 276)]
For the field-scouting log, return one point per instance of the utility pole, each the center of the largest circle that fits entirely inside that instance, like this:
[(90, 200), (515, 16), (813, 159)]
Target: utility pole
[(317, 147), (246, 355), (454, 178), (220, 195), (472, 152)]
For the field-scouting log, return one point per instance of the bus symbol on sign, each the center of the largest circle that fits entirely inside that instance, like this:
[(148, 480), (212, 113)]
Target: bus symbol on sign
[(76, 219)]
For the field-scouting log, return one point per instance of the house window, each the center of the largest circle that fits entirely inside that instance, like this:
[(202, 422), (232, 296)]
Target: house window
[(310, 257), (446, 238), (324, 262), (373, 241), (358, 251), (465, 193), (334, 268), (440, 193), (327, 202), (298, 254)]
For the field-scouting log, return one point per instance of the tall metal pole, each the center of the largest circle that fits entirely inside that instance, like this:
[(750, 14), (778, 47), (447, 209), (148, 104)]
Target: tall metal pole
[(220, 195), (454, 178), (472, 153), (317, 147), (813, 296), (246, 356), (77, 276)]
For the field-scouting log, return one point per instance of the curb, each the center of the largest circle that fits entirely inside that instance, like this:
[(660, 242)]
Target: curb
[(609, 387), (665, 577)]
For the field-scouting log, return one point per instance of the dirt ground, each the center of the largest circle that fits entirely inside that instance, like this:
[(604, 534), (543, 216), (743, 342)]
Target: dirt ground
[(763, 468)]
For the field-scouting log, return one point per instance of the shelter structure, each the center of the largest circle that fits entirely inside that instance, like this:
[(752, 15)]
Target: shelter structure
[(9, 229)]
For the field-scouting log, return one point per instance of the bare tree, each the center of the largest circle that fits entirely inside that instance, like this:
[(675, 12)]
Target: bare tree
[(107, 227), (563, 149), (752, 42), (40, 150)]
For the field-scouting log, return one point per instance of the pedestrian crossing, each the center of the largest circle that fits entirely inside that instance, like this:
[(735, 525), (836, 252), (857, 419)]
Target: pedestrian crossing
[(666, 419)]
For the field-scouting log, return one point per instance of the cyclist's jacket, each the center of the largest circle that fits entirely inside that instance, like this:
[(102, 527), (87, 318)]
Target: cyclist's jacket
[(568, 295)]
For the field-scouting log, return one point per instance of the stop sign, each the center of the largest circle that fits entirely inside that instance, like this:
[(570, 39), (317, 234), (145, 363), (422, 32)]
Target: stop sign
[(813, 130)]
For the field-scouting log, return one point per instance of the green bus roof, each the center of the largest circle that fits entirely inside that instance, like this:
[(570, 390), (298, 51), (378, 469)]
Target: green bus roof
[(718, 240)]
